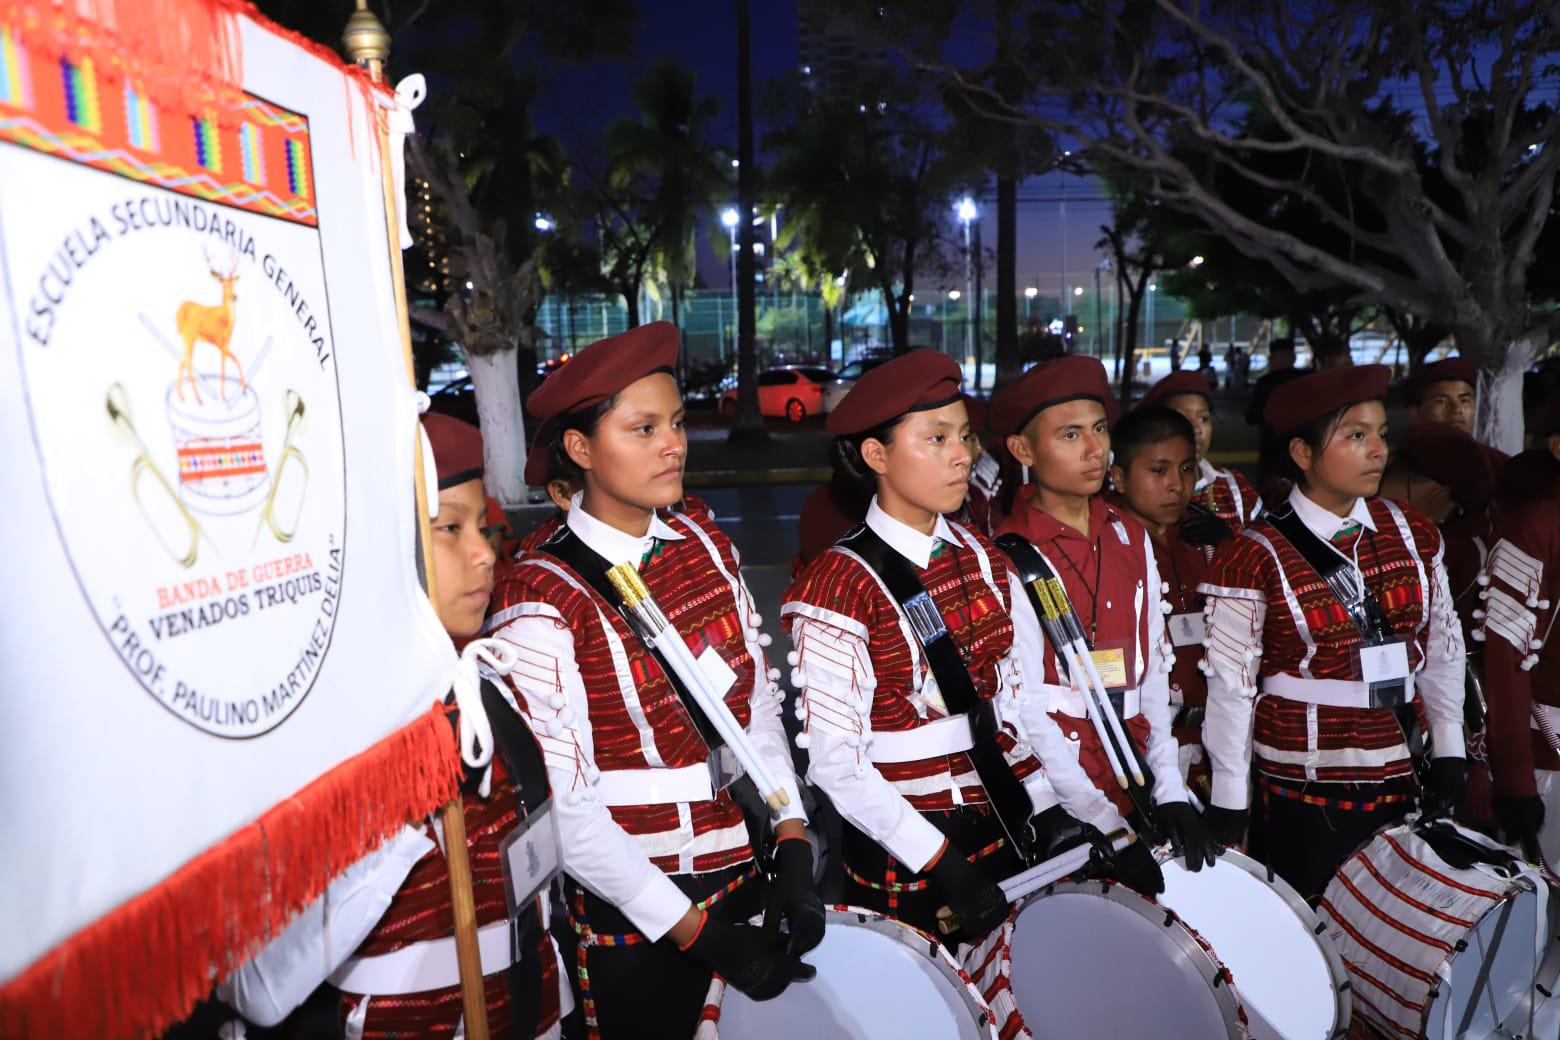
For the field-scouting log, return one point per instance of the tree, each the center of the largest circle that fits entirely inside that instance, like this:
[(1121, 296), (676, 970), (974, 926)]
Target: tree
[(881, 167), (1430, 112), (663, 181), (1135, 258), (487, 170)]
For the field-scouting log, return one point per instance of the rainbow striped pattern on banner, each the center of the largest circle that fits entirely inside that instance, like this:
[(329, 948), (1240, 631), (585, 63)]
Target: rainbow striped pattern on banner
[(140, 121), (253, 156), (298, 169), (15, 82), (81, 94), (208, 144)]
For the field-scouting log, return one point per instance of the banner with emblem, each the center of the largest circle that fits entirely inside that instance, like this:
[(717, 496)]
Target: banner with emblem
[(221, 677)]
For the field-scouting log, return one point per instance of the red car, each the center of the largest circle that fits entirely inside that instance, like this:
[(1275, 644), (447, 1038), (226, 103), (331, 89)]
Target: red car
[(794, 392)]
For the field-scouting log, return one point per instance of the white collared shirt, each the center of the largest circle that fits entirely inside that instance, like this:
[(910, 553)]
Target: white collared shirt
[(613, 545), (1324, 523), (1206, 474), (906, 540)]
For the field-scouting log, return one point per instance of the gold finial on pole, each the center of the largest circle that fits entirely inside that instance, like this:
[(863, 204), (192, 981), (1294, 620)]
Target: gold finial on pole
[(365, 38)]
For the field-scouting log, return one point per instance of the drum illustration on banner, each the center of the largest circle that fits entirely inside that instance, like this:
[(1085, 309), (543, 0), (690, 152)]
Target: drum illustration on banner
[(176, 415)]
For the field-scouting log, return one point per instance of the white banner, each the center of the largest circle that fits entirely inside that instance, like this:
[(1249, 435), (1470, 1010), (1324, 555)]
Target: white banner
[(206, 441)]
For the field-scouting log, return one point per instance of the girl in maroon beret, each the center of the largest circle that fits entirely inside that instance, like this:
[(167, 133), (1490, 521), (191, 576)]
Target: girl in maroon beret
[(1327, 619), (661, 874), (888, 737)]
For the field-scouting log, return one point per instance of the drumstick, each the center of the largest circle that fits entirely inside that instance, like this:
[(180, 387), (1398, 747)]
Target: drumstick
[(1042, 874), (179, 356)]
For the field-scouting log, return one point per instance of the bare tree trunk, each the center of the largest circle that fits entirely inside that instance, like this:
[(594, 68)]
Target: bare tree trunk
[(630, 291), (898, 323), (1501, 367), (495, 379), (1135, 291), (748, 426)]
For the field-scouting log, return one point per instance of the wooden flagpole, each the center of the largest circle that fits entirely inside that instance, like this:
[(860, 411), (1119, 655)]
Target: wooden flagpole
[(368, 44)]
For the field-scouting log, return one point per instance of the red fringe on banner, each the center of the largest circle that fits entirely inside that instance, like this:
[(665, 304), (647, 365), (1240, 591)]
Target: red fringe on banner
[(144, 965)]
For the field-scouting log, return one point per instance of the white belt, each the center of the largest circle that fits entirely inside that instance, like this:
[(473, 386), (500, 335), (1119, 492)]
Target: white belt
[(944, 737), (655, 786), (422, 966), (1069, 701), (1334, 693)]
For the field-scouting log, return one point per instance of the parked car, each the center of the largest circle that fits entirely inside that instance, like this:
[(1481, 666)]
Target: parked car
[(846, 378), (792, 392)]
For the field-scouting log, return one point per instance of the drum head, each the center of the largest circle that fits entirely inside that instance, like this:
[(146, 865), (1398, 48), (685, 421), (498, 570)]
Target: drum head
[(877, 980), (1493, 976), (1091, 960), (1265, 934)]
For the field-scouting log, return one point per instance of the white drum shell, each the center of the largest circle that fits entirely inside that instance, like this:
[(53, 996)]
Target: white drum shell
[(1287, 971), (877, 980)]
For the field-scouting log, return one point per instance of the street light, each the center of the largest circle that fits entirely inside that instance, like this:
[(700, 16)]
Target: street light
[(967, 213), (730, 217), (1196, 261), (1077, 290), (953, 294), (1030, 292), (544, 223)]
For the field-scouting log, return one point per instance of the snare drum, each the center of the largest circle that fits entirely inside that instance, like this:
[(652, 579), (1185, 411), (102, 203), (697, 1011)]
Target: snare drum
[(1434, 949), (1095, 959), (877, 979)]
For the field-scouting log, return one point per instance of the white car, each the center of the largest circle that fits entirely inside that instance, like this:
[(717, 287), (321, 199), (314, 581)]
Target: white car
[(834, 392)]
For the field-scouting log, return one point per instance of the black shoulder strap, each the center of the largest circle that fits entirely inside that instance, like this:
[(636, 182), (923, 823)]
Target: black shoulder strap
[(592, 566), (1007, 793), (1032, 572), (1330, 566), (522, 756)]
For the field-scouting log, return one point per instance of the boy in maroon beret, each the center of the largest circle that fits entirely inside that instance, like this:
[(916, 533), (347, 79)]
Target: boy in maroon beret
[(1521, 648), (1327, 619), (1057, 421), (1445, 391), (660, 869), (1225, 493)]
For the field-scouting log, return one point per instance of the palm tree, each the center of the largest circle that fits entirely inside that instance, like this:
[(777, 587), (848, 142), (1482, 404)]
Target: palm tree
[(665, 166)]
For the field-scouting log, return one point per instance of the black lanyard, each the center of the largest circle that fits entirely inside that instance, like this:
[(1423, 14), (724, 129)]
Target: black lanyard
[(1094, 593)]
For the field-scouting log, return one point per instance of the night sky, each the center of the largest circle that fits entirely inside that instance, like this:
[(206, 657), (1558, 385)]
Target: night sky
[(576, 105)]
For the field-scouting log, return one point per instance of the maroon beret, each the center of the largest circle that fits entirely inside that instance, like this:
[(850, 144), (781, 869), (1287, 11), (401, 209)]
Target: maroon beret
[(977, 409), (1447, 370), (605, 368), (1185, 381), (1546, 421), (1297, 402), (457, 449), (1071, 378), (912, 382), (538, 461), (1449, 456)]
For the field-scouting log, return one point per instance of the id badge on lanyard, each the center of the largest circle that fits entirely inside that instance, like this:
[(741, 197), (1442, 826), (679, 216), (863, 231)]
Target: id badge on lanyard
[(530, 857)]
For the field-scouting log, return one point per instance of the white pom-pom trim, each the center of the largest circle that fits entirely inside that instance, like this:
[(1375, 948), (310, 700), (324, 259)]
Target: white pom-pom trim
[(1484, 579), (803, 741), (793, 658)]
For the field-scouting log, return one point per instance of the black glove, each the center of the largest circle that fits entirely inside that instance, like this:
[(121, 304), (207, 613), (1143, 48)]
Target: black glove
[(977, 902), (1225, 826), (1521, 817), (1448, 781), (748, 958), (1188, 834), (1202, 527), (793, 896), (1135, 867), (1056, 831)]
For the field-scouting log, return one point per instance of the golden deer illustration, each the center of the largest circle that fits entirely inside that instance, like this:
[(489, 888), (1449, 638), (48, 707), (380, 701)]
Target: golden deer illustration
[(198, 323)]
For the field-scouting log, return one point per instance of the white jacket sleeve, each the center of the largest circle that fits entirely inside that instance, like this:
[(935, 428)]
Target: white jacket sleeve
[(1164, 753), (1441, 679), (595, 850), (1057, 753), (765, 730), (1231, 657), (835, 676), (287, 969)]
